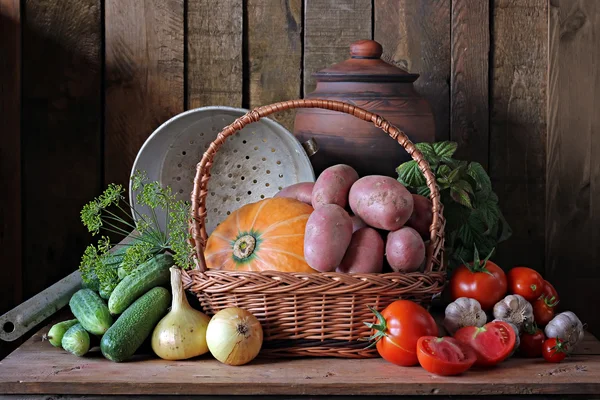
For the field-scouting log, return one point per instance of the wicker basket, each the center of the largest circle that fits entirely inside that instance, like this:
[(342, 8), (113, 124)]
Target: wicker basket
[(312, 314)]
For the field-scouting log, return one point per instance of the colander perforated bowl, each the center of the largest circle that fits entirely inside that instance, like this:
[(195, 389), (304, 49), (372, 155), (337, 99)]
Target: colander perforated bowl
[(254, 164)]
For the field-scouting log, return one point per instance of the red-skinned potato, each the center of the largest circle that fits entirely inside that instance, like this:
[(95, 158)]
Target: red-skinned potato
[(365, 253), (326, 237), (333, 185), (382, 202), (300, 191), (357, 223), (405, 250), (422, 215)]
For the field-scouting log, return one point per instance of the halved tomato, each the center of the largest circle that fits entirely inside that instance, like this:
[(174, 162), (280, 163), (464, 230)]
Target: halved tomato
[(493, 342), (444, 356)]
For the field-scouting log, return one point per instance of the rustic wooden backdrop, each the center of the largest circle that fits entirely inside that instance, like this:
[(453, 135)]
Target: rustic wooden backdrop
[(83, 82)]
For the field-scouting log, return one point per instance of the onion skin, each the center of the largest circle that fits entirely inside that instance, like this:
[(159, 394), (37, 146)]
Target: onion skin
[(234, 336), (181, 334)]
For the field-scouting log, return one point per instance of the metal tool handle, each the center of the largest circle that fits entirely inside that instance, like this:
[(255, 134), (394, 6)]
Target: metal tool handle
[(34, 311)]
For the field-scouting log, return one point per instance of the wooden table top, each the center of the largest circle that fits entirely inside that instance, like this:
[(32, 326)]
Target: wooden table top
[(38, 368)]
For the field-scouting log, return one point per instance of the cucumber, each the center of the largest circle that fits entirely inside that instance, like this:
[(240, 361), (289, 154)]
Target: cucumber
[(56, 333), (152, 273), (121, 273), (91, 311), (128, 333), (76, 340)]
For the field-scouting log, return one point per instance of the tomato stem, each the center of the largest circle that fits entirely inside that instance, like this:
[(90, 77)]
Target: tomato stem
[(380, 328), (478, 265)]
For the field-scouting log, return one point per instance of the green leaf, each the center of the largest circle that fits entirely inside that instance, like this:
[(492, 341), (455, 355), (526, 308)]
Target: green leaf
[(461, 197), (445, 149), (443, 170), (410, 175), (463, 185), (487, 210), (424, 191), (477, 172), (428, 152)]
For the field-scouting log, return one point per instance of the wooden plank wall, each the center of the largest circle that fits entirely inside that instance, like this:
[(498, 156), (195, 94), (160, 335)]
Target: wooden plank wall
[(83, 84)]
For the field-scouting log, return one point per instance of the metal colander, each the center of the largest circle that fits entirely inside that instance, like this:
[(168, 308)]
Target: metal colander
[(253, 164)]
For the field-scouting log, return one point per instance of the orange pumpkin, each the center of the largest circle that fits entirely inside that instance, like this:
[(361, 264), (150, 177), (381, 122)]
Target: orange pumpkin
[(261, 236)]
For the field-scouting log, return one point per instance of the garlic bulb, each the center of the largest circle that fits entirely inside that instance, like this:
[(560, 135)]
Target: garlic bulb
[(565, 326), (463, 312), (518, 336), (514, 309)]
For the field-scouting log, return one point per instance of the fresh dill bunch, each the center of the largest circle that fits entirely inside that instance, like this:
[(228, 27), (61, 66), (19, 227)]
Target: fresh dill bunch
[(112, 213)]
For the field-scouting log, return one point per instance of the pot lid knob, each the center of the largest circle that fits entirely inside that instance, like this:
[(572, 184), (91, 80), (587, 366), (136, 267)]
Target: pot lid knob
[(366, 49)]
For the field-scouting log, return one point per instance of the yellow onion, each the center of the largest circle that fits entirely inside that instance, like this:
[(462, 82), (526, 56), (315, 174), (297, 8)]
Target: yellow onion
[(181, 334), (234, 336)]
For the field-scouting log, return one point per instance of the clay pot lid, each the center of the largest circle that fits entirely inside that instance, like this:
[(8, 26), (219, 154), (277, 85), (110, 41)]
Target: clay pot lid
[(364, 65)]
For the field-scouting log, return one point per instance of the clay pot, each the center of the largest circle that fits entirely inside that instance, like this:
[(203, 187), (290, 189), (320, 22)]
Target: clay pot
[(366, 81)]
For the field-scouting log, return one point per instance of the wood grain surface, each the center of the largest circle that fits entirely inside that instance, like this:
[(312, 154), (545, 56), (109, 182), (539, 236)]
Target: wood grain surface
[(469, 107), (330, 26), (144, 77), (214, 48), (275, 66), (518, 126), (10, 154), (37, 367), (573, 170), (415, 35), (61, 134)]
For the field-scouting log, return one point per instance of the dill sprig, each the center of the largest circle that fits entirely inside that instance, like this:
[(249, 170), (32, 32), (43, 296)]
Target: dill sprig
[(110, 212)]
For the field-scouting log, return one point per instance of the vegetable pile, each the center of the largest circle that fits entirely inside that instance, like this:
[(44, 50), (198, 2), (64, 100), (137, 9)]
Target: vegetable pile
[(343, 223), (125, 300)]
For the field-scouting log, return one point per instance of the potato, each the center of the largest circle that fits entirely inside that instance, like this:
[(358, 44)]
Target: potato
[(357, 223), (382, 202), (422, 215), (326, 237), (365, 253), (300, 191), (405, 250), (333, 185)]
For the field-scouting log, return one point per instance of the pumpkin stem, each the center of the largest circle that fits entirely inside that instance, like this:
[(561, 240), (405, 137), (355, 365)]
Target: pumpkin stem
[(244, 246)]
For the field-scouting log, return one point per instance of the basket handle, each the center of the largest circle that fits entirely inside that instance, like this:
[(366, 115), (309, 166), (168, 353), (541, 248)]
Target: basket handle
[(200, 191)]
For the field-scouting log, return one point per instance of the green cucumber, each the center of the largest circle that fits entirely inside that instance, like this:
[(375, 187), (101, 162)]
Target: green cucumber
[(56, 333), (134, 326), (76, 340), (121, 273), (152, 273), (91, 311)]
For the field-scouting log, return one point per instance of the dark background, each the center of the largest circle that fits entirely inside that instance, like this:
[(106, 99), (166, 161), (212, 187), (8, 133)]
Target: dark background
[(83, 82)]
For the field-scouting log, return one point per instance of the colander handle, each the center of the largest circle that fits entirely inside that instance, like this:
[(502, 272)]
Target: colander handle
[(199, 193)]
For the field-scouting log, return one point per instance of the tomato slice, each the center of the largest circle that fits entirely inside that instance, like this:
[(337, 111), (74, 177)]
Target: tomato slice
[(493, 342), (444, 356)]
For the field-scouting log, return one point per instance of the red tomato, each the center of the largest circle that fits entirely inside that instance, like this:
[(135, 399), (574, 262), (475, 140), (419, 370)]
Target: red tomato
[(543, 310), (532, 342), (493, 342), (483, 281), (400, 326), (554, 350), (525, 282), (550, 292), (444, 356)]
